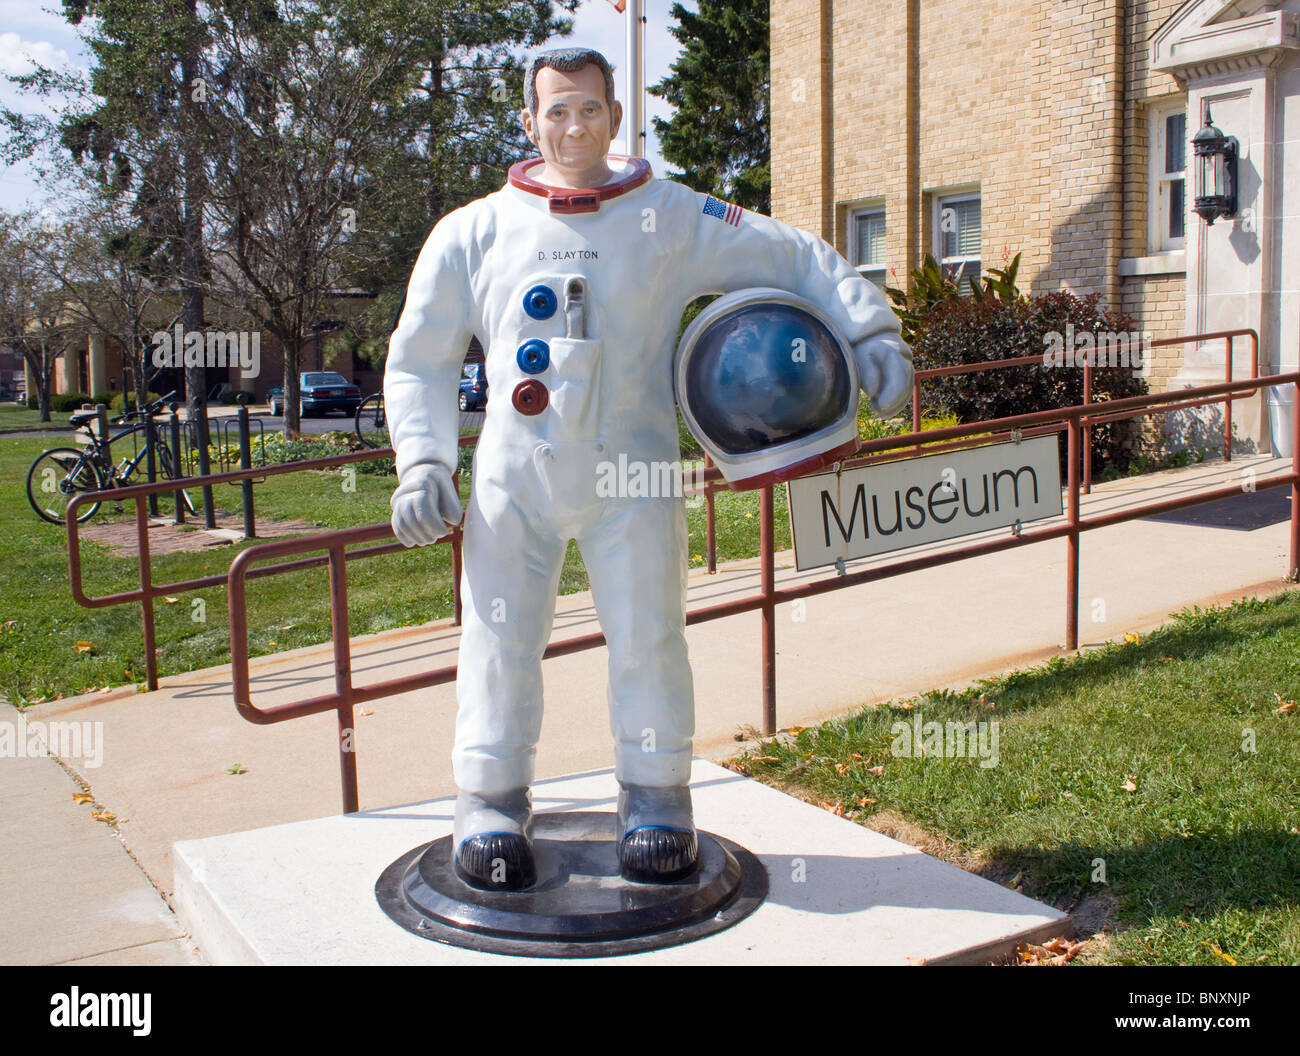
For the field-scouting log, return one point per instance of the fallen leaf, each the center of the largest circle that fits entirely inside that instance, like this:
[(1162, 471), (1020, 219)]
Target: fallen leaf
[(1219, 953), (841, 769), (865, 801), (1130, 785), (236, 769), (1284, 707), (857, 755), (82, 797), (82, 647), (1132, 639), (106, 816), (170, 600), (1053, 952), (875, 771), (363, 712), (765, 759)]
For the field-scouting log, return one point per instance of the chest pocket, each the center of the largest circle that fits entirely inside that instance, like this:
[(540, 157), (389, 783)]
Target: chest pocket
[(575, 387)]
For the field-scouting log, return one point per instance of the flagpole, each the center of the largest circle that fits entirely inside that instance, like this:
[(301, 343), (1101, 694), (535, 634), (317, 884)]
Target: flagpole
[(634, 115)]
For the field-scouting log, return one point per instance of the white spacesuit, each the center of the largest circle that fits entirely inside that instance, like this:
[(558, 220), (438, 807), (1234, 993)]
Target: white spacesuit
[(576, 302)]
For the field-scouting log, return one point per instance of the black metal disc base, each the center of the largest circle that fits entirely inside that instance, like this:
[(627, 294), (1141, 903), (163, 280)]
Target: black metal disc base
[(580, 906)]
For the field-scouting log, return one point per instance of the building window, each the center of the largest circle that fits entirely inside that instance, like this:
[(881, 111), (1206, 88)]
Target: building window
[(957, 237), (868, 240), (1168, 192)]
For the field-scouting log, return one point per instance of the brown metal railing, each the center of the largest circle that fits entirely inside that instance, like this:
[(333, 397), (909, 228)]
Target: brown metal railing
[(715, 484), (148, 590), (1021, 361), (1071, 420)]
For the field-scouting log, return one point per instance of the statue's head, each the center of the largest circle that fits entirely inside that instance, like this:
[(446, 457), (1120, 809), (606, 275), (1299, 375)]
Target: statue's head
[(570, 113)]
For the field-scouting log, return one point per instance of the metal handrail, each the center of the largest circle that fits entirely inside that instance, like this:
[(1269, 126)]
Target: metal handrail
[(1071, 420), (998, 364)]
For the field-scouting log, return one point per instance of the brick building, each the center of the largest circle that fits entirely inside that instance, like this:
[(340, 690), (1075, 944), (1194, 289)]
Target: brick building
[(1059, 129), (95, 364)]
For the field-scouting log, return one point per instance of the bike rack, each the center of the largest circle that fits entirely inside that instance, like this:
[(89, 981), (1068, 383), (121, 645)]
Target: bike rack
[(224, 425)]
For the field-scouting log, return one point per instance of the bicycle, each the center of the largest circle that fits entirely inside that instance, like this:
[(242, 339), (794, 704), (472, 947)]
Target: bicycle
[(61, 473), (372, 426)]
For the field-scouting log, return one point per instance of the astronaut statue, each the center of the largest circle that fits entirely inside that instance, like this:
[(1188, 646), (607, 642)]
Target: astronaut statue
[(574, 276)]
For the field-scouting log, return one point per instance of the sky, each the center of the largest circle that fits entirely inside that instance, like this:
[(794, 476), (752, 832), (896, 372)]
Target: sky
[(39, 31)]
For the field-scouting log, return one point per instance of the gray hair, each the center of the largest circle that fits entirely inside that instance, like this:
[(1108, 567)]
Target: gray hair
[(567, 60)]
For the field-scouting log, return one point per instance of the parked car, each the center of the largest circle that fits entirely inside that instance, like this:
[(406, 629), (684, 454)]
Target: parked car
[(320, 391), (473, 387)]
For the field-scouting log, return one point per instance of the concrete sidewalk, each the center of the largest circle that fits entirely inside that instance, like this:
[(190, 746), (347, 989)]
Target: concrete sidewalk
[(166, 754)]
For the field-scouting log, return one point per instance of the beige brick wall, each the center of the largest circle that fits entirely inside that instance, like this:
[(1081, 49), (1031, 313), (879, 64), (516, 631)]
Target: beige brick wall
[(1143, 88), (1039, 103), (869, 119), (1156, 304), (798, 47)]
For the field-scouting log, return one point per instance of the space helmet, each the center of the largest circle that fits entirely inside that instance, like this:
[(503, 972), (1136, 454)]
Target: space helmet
[(766, 382)]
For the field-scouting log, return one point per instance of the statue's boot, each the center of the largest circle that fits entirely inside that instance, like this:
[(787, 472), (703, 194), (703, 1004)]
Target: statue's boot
[(659, 844), (493, 834)]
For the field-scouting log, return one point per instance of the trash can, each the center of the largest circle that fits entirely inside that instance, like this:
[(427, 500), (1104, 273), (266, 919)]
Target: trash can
[(1281, 419)]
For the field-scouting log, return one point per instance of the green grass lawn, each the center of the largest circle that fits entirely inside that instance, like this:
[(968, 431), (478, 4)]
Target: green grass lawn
[(15, 416), (42, 625), (1162, 766)]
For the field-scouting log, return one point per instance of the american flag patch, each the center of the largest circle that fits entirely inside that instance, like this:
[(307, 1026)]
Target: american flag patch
[(724, 211)]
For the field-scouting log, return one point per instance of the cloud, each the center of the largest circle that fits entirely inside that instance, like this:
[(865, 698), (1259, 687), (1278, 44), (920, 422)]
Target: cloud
[(17, 55)]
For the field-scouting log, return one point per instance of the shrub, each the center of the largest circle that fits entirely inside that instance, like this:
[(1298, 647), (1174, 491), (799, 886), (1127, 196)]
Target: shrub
[(66, 402), (274, 448), (933, 285), (118, 404), (970, 330)]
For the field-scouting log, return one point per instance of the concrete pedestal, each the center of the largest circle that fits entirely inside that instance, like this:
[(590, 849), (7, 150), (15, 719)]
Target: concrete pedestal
[(303, 893)]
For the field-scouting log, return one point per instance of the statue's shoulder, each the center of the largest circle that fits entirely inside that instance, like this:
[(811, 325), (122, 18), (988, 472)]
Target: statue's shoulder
[(672, 191), (471, 222)]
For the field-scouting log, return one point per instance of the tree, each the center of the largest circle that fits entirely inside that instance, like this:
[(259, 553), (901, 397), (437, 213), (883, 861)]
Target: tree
[(353, 126), (460, 134), (32, 319), (106, 274), (719, 134), (275, 151)]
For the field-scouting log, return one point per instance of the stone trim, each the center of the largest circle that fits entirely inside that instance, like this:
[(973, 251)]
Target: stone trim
[(1256, 40), (1156, 264)]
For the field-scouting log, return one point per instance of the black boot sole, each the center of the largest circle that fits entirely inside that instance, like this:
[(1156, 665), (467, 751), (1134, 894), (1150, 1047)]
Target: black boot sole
[(478, 858), (657, 856)]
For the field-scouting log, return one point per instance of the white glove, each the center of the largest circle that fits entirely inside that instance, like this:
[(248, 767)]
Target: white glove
[(885, 372), (425, 505)]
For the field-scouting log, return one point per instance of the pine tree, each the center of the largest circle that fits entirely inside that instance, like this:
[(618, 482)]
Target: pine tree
[(719, 135)]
